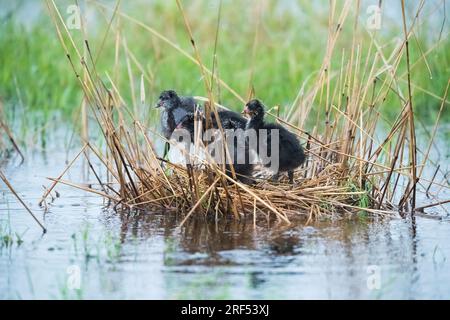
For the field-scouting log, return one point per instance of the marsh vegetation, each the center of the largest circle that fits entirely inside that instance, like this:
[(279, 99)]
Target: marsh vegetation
[(368, 103)]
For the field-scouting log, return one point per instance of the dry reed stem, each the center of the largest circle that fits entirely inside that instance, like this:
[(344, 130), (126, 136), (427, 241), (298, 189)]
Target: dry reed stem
[(50, 189), (10, 187)]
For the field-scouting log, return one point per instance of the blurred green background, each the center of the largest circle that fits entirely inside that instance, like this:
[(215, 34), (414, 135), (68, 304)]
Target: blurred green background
[(275, 47)]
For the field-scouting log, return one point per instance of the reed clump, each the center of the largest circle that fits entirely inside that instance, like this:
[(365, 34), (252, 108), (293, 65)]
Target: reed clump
[(356, 161)]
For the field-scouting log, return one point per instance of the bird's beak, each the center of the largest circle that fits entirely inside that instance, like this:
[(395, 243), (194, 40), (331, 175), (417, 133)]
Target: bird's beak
[(246, 111), (159, 104)]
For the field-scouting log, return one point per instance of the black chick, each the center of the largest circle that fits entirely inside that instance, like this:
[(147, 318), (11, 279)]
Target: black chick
[(174, 109), (230, 121), (291, 154)]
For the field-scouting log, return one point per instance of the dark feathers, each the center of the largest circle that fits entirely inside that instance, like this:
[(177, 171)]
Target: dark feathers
[(291, 154), (230, 121), (174, 109)]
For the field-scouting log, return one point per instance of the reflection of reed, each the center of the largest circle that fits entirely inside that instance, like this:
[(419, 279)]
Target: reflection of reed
[(145, 226), (207, 236), (196, 235), (210, 237)]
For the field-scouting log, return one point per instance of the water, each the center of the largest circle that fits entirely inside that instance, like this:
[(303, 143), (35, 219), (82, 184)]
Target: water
[(121, 257)]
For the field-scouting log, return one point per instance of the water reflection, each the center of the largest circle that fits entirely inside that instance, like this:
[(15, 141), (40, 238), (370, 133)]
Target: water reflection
[(226, 259), (148, 255)]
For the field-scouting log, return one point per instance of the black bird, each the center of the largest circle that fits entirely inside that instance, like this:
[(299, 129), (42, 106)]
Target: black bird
[(230, 121), (174, 109), (291, 154)]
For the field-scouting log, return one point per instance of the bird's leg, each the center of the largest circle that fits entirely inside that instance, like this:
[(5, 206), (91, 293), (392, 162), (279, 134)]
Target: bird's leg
[(166, 150), (165, 154), (291, 176)]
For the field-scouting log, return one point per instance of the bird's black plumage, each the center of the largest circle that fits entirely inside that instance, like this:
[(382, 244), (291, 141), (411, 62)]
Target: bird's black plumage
[(291, 154), (174, 109), (230, 121)]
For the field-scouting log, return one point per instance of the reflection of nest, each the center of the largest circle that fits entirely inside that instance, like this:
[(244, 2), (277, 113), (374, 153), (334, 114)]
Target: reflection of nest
[(205, 242)]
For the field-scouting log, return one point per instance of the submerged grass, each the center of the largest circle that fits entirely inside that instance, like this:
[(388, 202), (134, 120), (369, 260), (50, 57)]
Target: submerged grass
[(358, 161), (7, 236), (100, 246)]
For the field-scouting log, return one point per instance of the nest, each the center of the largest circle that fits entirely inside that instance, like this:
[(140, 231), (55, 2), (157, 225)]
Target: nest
[(349, 170)]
